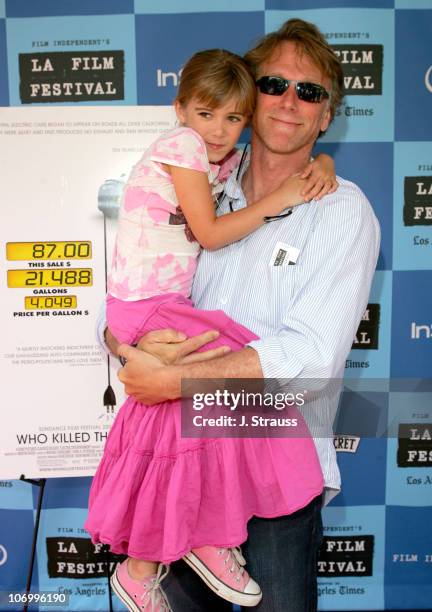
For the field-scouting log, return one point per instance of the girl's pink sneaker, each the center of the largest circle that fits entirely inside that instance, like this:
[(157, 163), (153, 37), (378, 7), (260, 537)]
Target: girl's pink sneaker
[(222, 570), (140, 595)]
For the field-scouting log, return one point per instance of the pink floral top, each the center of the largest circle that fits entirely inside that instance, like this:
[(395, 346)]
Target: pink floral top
[(155, 252)]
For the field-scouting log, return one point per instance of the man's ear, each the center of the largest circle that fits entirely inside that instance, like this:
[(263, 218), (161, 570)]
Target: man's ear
[(326, 119), (179, 111)]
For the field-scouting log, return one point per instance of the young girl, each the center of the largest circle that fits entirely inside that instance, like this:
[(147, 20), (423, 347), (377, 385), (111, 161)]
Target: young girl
[(156, 496)]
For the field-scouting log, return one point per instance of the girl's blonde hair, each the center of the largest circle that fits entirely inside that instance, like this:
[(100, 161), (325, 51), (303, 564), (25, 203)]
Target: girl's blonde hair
[(214, 77)]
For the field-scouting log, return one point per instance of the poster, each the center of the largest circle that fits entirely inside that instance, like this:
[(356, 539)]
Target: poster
[(64, 169)]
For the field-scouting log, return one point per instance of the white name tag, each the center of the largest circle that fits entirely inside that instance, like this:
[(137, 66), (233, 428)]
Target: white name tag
[(284, 255)]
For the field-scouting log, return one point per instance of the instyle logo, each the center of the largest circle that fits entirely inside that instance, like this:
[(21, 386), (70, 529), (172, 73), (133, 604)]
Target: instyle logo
[(367, 333), (3, 555), (346, 556), (414, 445), (167, 79), (417, 200), (346, 444), (362, 67), (419, 332), (428, 79), (71, 76), (77, 558)]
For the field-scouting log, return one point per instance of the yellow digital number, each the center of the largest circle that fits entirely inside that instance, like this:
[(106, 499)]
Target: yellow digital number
[(30, 251), (44, 302), (73, 277)]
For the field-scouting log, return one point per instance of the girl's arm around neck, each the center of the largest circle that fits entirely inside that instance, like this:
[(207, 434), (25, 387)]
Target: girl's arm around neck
[(194, 197)]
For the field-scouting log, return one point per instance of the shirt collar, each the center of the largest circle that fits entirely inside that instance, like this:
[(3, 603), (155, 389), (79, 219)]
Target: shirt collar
[(233, 190)]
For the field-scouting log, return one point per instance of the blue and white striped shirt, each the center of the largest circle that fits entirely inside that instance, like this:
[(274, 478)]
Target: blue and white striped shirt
[(306, 314)]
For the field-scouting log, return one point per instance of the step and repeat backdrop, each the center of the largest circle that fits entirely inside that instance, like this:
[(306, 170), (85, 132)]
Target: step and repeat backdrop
[(85, 86)]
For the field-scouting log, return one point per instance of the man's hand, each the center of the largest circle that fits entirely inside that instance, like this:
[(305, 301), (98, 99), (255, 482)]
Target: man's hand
[(173, 347), (143, 375), (151, 375)]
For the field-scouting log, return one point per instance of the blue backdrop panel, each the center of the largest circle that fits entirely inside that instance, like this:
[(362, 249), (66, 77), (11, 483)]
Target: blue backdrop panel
[(408, 559), (411, 324), (362, 415), (414, 76), (412, 221), (351, 563), (413, 4), (69, 563), (15, 494), (160, 58), (196, 6), (66, 493), (364, 41), (409, 451), (43, 8), (16, 530), (365, 362), (370, 165), (317, 4), (78, 34)]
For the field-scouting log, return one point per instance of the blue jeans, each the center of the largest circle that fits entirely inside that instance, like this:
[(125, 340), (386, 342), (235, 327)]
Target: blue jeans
[(281, 556)]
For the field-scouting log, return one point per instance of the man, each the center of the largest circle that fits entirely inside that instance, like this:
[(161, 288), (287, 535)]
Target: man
[(306, 314)]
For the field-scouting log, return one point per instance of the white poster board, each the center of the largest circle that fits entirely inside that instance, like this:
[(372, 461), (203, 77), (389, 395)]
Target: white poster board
[(61, 167)]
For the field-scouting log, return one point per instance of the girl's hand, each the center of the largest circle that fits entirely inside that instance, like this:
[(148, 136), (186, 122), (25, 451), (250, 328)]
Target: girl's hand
[(321, 178)]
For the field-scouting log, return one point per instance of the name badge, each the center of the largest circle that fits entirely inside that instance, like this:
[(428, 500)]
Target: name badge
[(284, 255)]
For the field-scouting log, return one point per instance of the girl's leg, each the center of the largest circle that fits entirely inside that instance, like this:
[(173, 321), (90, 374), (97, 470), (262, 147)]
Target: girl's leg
[(141, 591), (140, 569)]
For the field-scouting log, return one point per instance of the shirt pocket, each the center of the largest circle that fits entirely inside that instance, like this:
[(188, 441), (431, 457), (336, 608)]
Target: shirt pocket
[(281, 282), (271, 292)]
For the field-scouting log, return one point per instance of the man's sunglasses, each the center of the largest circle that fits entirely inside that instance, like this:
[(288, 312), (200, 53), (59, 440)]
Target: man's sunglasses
[(276, 86)]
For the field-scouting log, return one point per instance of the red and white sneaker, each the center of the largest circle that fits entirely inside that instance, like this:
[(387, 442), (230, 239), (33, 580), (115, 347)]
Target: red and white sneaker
[(222, 569), (140, 595)]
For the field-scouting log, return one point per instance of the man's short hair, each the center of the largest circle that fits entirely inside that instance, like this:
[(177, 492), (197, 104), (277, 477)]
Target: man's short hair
[(308, 41)]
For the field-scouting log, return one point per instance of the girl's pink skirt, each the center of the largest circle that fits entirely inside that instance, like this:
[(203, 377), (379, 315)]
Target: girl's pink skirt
[(156, 495)]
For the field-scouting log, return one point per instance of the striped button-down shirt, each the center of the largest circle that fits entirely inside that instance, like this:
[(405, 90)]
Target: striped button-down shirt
[(306, 314)]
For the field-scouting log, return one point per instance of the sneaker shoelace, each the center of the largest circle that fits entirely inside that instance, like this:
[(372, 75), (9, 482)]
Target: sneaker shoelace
[(234, 556), (154, 595), (238, 555)]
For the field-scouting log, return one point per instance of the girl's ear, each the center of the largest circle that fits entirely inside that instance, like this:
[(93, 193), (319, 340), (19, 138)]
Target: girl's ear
[(179, 111)]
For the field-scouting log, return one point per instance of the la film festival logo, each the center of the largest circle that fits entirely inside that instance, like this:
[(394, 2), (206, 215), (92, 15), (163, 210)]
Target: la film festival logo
[(362, 67), (414, 445), (70, 76), (417, 200), (78, 558), (367, 332), (346, 556)]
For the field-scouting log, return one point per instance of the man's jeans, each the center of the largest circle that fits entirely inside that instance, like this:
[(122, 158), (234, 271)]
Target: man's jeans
[(281, 556)]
